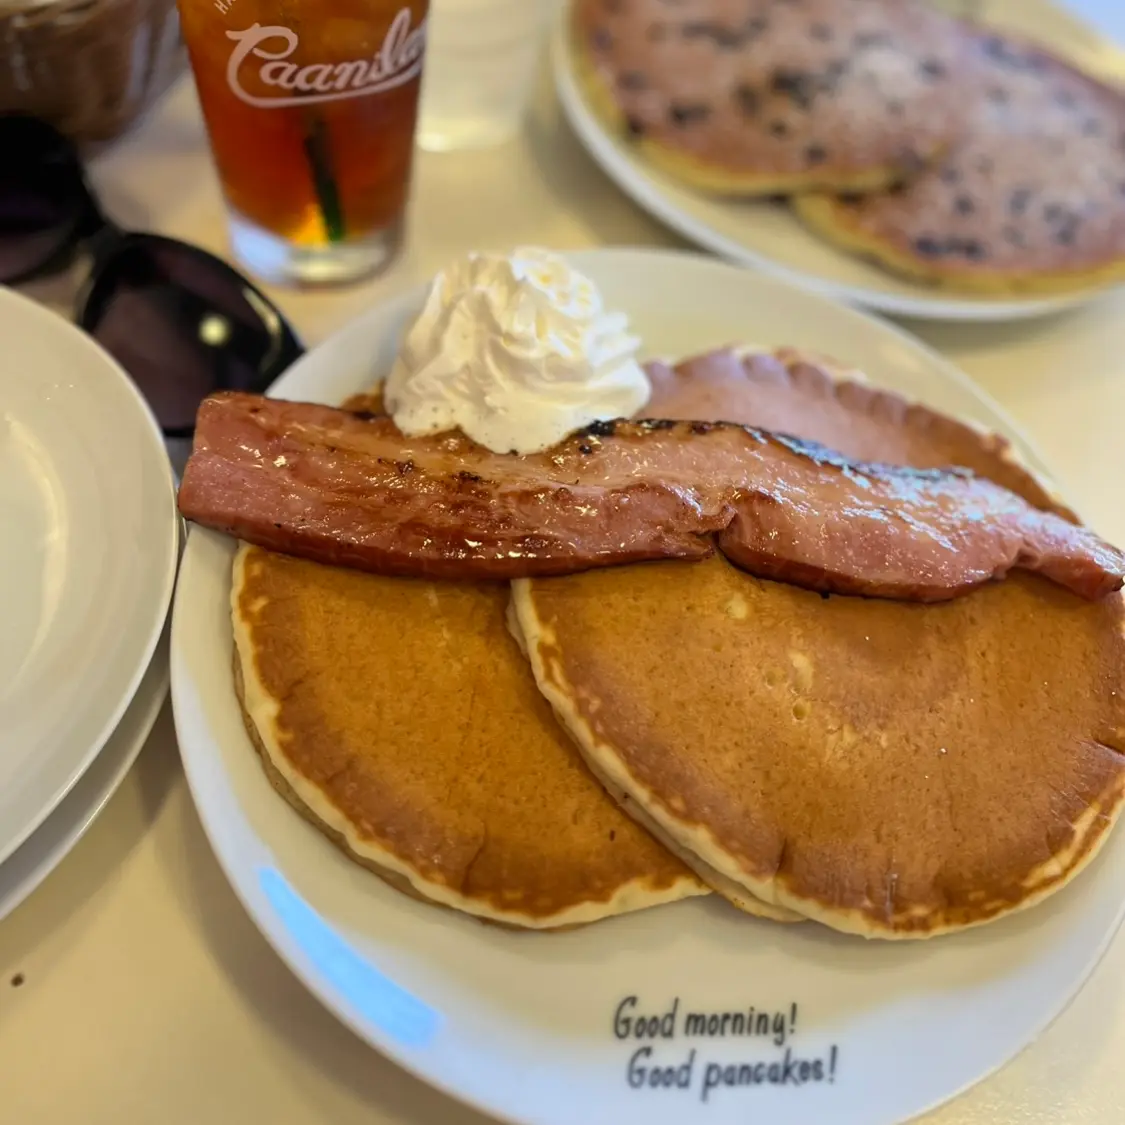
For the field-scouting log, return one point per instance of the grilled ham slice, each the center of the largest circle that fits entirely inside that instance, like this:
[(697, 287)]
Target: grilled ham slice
[(350, 490)]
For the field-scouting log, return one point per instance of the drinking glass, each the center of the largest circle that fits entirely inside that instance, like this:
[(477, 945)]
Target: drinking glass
[(482, 57), (311, 107)]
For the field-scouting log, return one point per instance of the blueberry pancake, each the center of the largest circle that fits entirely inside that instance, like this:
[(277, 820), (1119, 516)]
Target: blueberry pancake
[(1032, 200), (759, 97)]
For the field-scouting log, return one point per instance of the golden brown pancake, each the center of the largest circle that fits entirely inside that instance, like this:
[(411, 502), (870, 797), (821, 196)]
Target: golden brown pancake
[(1033, 199), (401, 719), (758, 97), (793, 391), (888, 769)]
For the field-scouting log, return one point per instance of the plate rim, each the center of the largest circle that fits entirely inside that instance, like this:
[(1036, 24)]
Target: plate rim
[(646, 192), (148, 431), (145, 706), (243, 882)]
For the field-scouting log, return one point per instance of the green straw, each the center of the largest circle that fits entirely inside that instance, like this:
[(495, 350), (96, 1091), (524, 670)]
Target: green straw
[(319, 155)]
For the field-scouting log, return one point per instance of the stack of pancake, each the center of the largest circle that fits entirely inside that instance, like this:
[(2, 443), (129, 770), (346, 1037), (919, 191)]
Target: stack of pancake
[(946, 152), (581, 747)]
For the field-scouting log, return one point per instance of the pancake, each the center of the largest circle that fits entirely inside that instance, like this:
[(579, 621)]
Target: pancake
[(793, 391), (1032, 200), (735, 894), (891, 770), (762, 97), (401, 720)]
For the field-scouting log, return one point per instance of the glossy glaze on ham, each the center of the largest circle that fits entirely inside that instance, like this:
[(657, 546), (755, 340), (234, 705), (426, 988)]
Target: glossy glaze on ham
[(350, 490)]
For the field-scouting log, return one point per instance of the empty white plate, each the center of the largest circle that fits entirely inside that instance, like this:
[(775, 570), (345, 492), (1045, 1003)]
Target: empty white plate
[(88, 552)]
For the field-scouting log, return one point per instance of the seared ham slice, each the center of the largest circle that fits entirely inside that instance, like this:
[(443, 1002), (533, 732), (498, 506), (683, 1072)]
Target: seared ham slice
[(350, 490)]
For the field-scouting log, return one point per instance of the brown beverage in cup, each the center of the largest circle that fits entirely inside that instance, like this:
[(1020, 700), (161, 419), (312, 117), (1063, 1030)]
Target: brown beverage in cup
[(310, 106)]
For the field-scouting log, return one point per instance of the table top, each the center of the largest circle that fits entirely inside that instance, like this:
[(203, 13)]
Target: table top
[(133, 987)]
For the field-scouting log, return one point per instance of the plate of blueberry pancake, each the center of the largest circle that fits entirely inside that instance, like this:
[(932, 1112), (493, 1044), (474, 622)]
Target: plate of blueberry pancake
[(922, 159)]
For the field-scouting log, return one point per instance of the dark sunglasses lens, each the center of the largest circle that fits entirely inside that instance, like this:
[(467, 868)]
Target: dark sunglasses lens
[(42, 196), (183, 324)]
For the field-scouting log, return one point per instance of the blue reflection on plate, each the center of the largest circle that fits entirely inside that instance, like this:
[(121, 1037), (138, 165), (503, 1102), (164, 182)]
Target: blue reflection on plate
[(376, 997)]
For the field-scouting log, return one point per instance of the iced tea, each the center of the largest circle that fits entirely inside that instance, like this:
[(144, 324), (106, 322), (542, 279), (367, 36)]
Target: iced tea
[(310, 106)]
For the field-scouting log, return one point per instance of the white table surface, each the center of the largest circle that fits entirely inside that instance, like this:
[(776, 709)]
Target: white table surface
[(147, 996)]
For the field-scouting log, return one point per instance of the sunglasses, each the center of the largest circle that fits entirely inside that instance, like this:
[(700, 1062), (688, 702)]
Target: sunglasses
[(180, 321)]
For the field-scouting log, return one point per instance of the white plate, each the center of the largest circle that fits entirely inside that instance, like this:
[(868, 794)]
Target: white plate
[(521, 1025), (87, 556), (50, 843), (768, 236)]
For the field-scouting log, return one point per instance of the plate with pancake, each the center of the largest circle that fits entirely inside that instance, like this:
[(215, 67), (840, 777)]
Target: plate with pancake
[(663, 839), (953, 171)]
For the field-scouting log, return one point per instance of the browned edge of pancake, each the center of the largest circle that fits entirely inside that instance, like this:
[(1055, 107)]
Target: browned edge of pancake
[(738, 896)]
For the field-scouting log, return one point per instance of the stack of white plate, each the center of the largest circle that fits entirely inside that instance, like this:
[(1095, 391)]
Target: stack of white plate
[(89, 539)]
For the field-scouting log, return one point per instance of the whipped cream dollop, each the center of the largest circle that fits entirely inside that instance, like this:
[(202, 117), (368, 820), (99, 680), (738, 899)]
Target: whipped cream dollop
[(517, 351)]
